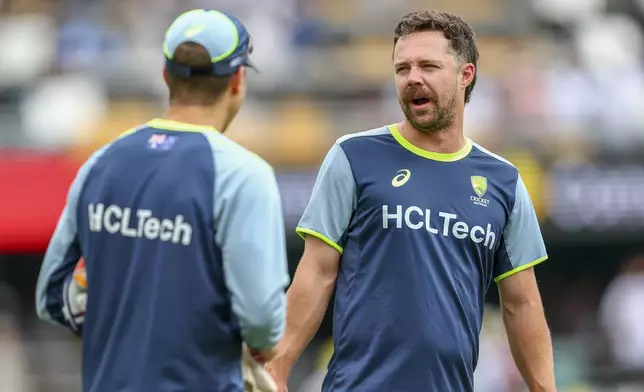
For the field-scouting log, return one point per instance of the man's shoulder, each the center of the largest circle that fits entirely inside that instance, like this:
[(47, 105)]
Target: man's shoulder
[(494, 158), (363, 135), (96, 155), (496, 168), (227, 154), (230, 155)]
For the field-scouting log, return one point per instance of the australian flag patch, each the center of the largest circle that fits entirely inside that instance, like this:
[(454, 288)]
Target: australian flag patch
[(159, 141)]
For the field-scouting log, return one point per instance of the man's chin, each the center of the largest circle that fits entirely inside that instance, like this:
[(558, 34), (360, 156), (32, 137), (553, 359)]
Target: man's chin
[(422, 121), (420, 112), (426, 125)]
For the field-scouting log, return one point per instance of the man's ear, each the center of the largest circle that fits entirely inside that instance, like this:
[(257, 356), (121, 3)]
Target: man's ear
[(236, 80), (165, 76), (468, 71)]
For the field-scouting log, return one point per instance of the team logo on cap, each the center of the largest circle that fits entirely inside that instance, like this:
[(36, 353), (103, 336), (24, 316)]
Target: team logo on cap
[(236, 61), (194, 30)]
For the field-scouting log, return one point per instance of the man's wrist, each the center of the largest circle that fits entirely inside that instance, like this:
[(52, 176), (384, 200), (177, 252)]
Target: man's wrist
[(542, 388), (257, 354), (286, 357), (262, 355)]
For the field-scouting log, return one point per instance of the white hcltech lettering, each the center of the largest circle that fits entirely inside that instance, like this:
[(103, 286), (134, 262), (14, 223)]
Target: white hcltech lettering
[(447, 225), (140, 223)]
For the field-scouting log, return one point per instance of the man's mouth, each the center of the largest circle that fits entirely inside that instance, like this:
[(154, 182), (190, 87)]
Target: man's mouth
[(419, 101)]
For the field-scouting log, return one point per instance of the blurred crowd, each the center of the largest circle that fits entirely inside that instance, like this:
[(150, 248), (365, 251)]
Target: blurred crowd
[(563, 77), (561, 83)]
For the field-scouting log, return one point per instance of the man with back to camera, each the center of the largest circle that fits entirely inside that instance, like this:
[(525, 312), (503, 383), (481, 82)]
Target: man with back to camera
[(410, 223), (180, 231)]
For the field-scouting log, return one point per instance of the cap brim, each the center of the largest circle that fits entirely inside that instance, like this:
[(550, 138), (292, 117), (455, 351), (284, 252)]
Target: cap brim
[(251, 65)]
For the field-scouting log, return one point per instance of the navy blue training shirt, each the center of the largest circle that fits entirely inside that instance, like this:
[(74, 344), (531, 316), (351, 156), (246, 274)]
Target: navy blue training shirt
[(183, 236), (421, 236)]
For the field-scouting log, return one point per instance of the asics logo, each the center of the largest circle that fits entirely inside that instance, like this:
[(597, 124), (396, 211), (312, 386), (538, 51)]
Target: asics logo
[(401, 179)]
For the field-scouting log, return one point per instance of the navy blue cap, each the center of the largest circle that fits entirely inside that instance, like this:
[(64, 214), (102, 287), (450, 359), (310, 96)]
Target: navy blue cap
[(224, 37)]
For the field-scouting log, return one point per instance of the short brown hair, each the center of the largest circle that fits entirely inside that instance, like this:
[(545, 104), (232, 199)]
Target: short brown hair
[(459, 33), (199, 90)]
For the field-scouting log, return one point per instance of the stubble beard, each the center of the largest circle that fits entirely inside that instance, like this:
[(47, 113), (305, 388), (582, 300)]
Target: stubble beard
[(441, 118)]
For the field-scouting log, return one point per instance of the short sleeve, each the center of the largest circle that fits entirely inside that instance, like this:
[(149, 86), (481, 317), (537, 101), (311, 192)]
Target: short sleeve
[(332, 202), (522, 246), (63, 252), (250, 233)]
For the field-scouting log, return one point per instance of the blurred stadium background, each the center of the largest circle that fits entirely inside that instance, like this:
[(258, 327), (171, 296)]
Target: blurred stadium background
[(560, 94)]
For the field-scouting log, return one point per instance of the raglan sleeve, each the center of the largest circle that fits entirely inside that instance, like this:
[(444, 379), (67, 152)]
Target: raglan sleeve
[(251, 235), (333, 200), (523, 245), (63, 252)]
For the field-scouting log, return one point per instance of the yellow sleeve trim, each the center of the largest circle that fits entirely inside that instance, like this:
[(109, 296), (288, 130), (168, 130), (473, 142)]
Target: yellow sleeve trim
[(519, 269), (302, 232)]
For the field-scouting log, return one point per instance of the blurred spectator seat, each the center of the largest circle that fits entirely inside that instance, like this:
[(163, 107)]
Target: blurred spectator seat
[(27, 43), (534, 176), (29, 6), (612, 48), (300, 132), (610, 42), (339, 12), (365, 60), (85, 42), (621, 315), (122, 116), (568, 11), (62, 107), (249, 128), (473, 11)]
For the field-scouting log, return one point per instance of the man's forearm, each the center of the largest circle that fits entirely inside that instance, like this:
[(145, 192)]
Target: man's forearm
[(531, 345), (307, 301)]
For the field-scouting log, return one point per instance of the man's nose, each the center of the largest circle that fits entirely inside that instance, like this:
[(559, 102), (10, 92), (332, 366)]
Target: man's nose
[(415, 76)]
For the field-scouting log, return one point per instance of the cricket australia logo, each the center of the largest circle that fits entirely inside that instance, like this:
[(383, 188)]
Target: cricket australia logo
[(479, 184)]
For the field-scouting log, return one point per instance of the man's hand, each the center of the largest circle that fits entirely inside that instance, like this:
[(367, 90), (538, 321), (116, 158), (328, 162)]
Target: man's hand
[(256, 378), (262, 356), (80, 274), (308, 298), (279, 368), (75, 297)]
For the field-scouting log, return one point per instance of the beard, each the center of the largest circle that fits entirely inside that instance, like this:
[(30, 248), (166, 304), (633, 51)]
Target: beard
[(437, 117)]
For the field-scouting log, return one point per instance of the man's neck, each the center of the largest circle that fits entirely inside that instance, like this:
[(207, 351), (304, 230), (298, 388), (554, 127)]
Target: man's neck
[(197, 115), (447, 141)]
